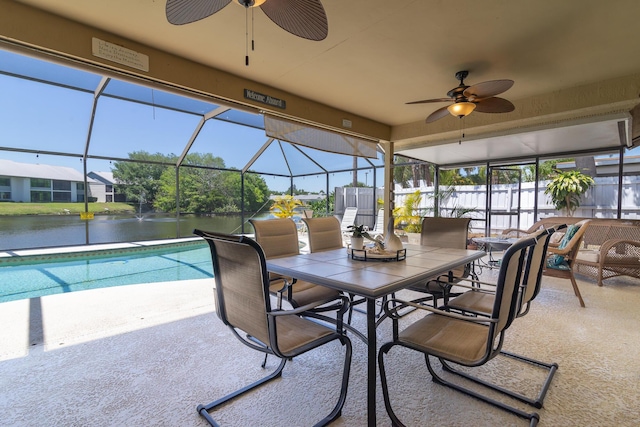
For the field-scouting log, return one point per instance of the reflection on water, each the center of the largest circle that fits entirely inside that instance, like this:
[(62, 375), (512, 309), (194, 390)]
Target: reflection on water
[(40, 231)]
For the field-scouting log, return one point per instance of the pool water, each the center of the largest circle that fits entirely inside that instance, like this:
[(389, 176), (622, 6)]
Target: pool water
[(101, 270)]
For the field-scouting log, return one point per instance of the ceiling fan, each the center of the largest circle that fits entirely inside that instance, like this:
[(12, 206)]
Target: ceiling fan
[(302, 18), (480, 97)]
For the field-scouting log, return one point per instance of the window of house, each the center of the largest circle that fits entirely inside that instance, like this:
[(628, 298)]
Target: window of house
[(61, 196), (40, 196), (40, 183), (61, 185)]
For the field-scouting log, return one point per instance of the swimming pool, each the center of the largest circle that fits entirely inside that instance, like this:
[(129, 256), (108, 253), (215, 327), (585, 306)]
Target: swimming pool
[(33, 274)]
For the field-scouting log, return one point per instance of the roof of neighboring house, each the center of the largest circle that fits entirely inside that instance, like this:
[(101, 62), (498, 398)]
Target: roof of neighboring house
[(104, 177), (29, 170)]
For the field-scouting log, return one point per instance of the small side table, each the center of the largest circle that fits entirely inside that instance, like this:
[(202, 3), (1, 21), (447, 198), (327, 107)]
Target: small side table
[(494, 243)]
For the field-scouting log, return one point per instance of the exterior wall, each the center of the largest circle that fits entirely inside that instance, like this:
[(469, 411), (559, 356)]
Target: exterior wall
[(21, 190), (98, 191)]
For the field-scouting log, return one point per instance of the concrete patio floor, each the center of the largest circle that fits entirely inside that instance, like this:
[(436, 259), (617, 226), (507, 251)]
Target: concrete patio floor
[(147, 355)]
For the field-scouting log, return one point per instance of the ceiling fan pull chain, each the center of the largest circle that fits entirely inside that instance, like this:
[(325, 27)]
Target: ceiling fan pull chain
[(252, 30), (246, 36)]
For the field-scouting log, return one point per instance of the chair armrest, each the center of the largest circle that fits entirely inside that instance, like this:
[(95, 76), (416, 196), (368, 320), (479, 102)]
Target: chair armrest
[(514, 232), (392, 312), (341, 308), (476, 288), (464, 279), (632, 248)]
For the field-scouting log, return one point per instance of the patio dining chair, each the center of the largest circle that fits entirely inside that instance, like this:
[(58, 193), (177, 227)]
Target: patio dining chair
[(243, 304), (455, 338), (279, 238), (479, 301), (324, 235), (446, 233)]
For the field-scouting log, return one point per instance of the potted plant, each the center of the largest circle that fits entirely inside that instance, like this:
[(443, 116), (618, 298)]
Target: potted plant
[(567, 188), (358, 233)]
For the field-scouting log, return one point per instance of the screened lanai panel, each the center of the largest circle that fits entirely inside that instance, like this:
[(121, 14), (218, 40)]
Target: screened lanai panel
[(37, 69), (234, 144), (122, 127), (333, 161), (40, 116), (242, 118), (272, 161), (299, 163), (157, 97)]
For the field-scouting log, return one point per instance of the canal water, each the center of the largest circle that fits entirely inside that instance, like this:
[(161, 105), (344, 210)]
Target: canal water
[(42, 231)]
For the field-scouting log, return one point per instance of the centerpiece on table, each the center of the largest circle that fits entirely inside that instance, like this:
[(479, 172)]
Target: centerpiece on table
[(359, 234)]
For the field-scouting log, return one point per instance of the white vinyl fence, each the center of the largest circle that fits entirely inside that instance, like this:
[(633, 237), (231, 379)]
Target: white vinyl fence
[(601, 201)]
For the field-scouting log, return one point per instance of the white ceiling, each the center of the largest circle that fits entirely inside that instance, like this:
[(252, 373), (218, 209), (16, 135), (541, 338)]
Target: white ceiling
[(380, 54), (591, 135)]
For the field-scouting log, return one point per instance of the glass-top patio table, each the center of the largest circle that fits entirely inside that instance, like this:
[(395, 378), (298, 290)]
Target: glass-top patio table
[(371, 280)]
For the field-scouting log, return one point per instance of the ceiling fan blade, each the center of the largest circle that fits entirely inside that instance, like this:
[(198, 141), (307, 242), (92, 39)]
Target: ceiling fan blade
[(427, 101), (487, 89), (181, 12), (302, 18), (438, 114), (494, 105)]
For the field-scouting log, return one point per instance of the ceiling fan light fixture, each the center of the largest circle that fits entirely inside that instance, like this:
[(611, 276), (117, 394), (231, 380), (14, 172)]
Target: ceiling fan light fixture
[(251, 3), (461, 109)]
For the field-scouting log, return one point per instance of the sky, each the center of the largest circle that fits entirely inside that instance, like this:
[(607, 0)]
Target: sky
[(44, 117)]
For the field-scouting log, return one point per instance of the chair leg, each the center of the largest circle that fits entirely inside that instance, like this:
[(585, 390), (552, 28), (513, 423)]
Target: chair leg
[(203, 410), (337, 410), (575, 288), (385, 388), (533, 417), (537, 402)]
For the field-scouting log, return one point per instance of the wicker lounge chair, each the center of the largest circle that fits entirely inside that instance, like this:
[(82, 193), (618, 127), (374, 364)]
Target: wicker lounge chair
[(243, 304), (561, 261)]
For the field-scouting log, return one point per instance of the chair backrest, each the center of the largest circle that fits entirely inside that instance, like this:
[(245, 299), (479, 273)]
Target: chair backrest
[(535, 261), (242, 284), (567, 250), (349, 218), (378, 227), (505, 305), (324, 233), (445, 232), (278, 237)]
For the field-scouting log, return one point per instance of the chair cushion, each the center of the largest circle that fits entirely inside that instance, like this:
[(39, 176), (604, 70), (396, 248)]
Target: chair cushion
[(556, 237), (456, 340), (556, 260), (474, 302), (294, 332), (588, 255)]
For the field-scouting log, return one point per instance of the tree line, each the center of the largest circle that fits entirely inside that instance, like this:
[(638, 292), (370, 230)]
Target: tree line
[(205, 184)]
